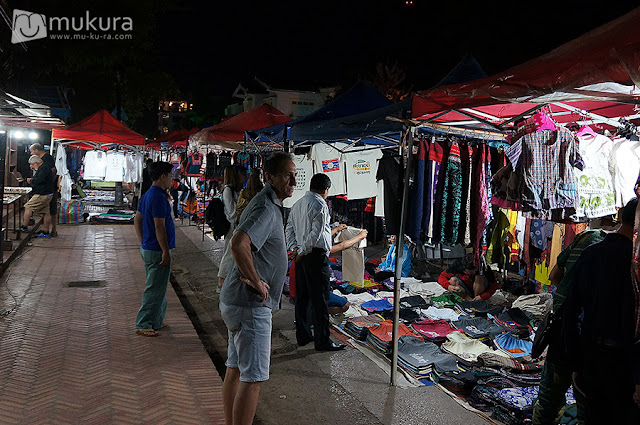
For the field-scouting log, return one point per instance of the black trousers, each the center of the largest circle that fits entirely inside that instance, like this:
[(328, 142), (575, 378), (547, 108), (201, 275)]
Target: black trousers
[(312, 299), (607, 382)]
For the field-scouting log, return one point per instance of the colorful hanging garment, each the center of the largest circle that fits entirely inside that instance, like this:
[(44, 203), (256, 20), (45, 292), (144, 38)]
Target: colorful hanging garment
[(416, 192), (467, 224), (436, 154), (451, 198)]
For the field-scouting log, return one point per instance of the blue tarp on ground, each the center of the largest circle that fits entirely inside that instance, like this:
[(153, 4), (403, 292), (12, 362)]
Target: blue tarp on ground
[(356, 100)]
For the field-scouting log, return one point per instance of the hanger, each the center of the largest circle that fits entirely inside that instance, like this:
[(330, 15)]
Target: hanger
[(586, 130), (543, 122)]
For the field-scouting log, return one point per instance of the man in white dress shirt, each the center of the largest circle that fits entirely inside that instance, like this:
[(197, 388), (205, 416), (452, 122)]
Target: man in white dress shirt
[(309, 240)]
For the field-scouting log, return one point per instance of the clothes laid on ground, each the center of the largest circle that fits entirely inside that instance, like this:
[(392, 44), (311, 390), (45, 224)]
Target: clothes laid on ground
[(377, 305), (478, 327), (380, 335), (412, 301), (479, 307), (446, 299), (537, 304), (436, 313), (358, 327), (425, 289), (513, 346), (464, 348), (433, 330), (419, 356)]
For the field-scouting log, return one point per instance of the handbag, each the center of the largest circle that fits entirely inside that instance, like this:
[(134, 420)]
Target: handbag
[(547, 332)]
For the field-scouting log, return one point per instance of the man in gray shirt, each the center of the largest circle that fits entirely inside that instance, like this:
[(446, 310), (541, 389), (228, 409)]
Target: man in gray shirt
[(253, 288)]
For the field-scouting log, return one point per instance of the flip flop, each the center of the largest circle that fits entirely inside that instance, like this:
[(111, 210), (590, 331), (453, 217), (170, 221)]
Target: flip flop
[(147, 332)]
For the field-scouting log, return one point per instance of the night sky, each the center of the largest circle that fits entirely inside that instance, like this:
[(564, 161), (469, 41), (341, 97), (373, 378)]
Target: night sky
[(205, 48), (328, 42)]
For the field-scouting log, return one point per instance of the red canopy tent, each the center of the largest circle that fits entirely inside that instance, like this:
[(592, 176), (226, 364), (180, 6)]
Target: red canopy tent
[(229, 133), (603, 64), (100, 128)]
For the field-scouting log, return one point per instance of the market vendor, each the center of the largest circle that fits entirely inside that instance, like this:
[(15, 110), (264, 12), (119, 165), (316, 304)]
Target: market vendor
[(465, 280), (387, 268)]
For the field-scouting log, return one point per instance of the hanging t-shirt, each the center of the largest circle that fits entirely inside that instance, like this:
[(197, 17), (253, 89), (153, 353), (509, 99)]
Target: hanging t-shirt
[(360, 170), (379, 206), (595, 183), (115, 167), (625, 164), (95, 165), (133, 167), (195, 163), (304, 172), (327, 159)]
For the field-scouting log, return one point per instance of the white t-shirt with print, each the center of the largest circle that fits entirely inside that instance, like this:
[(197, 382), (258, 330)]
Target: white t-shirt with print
[(327, 159), (115, 167), (360, 169), (95, 165), (304, 170)]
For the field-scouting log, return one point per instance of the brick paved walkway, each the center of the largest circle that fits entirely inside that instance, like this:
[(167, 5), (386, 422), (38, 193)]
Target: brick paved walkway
[(71, 356)]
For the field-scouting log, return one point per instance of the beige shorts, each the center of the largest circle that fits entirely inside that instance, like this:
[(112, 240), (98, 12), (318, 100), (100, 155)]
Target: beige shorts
[(39, 204)]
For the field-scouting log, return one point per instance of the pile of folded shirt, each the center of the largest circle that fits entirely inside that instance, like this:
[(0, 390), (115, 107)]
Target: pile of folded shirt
[(419, 358), (458, 382), (536, 304), (447, 299), (377, 305), (358, 327), (515, 347), (465, 349), (436, 313), (479, 308), (478, 327), (433, 330), (380, 336)]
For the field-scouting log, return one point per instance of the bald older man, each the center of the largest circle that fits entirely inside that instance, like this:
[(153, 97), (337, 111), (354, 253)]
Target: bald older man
[(41, 195)]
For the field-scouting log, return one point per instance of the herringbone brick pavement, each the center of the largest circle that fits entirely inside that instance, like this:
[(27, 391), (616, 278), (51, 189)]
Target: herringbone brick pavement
[(71, 355)]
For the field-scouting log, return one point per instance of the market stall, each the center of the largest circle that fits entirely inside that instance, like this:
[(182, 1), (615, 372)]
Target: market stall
[(113, 154)]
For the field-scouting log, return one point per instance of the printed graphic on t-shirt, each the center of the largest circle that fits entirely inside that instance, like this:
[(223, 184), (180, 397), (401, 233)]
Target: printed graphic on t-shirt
[(329, 165), (362, 167)]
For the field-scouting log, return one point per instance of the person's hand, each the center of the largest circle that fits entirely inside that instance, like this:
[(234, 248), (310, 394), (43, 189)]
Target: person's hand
[(636, 395), (293, 255), (363, 234), (166, 259), (261, 287), (341, 227), (29, 180), (377, 269), (476, 298)]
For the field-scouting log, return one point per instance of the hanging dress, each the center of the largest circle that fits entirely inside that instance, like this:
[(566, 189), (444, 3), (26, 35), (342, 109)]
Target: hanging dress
[(451, 198)]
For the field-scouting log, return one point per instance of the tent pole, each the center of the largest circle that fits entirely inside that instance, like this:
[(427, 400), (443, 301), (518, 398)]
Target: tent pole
[(408, 143)]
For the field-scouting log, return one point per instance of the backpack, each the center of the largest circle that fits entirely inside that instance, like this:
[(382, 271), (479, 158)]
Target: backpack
[(216, 219)]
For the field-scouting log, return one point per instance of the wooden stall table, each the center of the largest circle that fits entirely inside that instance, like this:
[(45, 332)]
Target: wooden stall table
[(14, 197)]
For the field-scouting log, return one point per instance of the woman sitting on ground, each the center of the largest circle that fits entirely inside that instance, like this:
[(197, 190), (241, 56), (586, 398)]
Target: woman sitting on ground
[(465, 280)]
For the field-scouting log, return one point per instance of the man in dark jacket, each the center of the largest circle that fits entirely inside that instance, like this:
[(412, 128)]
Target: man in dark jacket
[(599, 327), (40, 201)]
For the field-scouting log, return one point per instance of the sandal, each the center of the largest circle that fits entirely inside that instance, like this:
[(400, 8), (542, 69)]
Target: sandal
[(147, 332)]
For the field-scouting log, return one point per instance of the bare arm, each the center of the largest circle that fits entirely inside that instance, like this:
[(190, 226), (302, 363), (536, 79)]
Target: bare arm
[(556, 275), (161, 235), (137, 223), (349, 243), (337, 229), (241, 251)]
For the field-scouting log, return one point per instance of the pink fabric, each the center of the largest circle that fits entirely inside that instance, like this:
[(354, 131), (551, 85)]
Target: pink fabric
[(543, 122), (432, 329)]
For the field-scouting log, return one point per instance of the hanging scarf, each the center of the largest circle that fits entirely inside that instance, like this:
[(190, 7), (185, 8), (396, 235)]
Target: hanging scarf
[(451, 198)]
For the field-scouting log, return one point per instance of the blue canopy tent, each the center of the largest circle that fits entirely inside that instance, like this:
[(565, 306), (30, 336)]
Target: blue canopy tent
[(370, 128), (360, 98)]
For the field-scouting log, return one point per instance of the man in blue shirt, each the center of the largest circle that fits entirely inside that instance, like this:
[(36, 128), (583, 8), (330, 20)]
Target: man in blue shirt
[(155, 230)]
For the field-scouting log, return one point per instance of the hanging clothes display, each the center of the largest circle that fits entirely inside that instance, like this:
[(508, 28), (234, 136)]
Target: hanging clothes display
[(304, 172), (95, 165), (195, 163), (595, 183), (63, 172), (115, 167), (134, 163), (625, 164), (548, 186), (389, 170), (416, 191), (451, 198), (360, 170), (432, 170), (327, 159)]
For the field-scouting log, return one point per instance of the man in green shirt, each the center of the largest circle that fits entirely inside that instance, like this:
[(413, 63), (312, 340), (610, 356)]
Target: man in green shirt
[(556, 374)]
